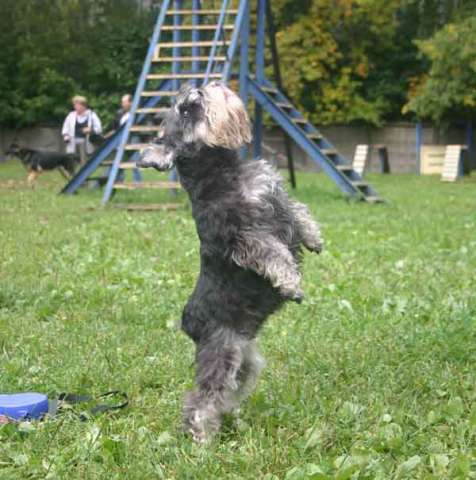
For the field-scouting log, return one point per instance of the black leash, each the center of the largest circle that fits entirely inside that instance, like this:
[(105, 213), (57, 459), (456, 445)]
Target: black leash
[(55, 406)]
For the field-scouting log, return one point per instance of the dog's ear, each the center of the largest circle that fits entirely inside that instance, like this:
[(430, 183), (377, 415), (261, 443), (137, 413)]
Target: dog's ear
[(158, 156), (227, 118)]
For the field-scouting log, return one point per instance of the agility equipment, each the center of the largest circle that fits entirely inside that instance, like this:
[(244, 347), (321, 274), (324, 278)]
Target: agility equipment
[(194, 42), (454, 163)]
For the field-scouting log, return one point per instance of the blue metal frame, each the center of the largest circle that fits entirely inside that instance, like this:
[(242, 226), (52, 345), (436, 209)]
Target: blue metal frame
[(196, 5), (470, 145), (244, 63), (240, 17), (135, 104), (107, 148), (260, 77), (310, 147), (176, 35), (418, 144), (320, 150), (216, 38)]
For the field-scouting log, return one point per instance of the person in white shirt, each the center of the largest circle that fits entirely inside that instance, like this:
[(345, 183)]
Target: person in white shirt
[(78, 126)]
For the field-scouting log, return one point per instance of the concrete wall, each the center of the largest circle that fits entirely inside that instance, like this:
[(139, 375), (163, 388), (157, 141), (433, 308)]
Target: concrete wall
[(399, 138), (42, 138)]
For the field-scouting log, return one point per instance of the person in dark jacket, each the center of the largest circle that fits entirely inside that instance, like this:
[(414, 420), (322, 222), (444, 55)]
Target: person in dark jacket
[(121, 118)]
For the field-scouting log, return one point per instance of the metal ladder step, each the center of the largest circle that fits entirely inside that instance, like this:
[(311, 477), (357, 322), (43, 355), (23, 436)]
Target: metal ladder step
[(146, 128), (344, 168), (231, 11), (329, 151), (136, 146), (178, 76), (207, 43), (314, 136), (285, 106), (301, 121), (359, 183), (122, 165), (153, 110), (269, 90), (147, 185), (188, 59), (159, 93), (169, 28)]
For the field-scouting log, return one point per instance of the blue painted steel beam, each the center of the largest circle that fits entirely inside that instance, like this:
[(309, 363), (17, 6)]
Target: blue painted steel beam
[(419, 143), (176, 35), (260, 66), (470, 144), (91, 165), (300, 138), (244, 63), (242, 9), (260, 40), (216, 39), (196, 5), (135, 103)]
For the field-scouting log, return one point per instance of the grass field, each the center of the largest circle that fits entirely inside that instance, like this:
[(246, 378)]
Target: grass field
[(372, 377)]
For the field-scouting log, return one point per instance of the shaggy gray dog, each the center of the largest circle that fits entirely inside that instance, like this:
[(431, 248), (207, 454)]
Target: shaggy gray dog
[(250, 234)]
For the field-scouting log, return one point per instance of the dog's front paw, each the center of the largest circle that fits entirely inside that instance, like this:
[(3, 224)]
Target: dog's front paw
[(294, 295), (316, 246)]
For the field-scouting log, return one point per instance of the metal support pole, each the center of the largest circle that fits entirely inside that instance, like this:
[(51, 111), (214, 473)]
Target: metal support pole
[(419, 143), (279, 82), (260, 76), (470, 145), (176, 35), (244, 62), (195, 38)]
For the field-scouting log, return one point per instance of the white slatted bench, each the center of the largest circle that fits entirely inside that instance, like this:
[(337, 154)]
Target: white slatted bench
[(453, 163), (360, 159)]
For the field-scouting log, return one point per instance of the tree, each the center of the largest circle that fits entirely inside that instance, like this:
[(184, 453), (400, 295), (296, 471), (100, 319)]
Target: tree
[(342, 57), (52, 50), (448, 90)]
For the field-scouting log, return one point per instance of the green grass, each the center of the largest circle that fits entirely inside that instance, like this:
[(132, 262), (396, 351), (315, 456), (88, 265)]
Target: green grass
[(372, 377)]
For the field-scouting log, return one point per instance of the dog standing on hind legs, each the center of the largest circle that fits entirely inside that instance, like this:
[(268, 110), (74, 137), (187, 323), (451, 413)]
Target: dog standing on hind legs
[(251, 234)]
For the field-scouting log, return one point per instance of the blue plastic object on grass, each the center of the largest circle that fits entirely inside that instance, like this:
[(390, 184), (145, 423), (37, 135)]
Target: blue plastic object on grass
[(23, 406)]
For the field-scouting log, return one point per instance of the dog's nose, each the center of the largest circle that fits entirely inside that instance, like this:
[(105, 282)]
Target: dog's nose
[(194, 95)]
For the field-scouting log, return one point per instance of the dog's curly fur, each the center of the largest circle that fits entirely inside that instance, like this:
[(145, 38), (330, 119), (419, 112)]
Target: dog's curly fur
[(251, 235)]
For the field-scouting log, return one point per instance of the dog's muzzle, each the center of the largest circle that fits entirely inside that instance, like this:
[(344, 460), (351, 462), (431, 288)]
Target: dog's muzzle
[(156, 156)]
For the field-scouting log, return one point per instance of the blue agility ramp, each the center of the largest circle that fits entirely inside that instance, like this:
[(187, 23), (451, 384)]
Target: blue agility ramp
[(195, 42)]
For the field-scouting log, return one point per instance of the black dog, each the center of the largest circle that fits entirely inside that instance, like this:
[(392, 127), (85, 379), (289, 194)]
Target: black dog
[(36, 162), (250, 233)]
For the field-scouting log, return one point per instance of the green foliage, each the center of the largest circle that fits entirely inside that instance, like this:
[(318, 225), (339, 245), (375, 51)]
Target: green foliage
[(449, 88), (340, 58), (59, 48), (343, 61), (372, 377), (348, 61)]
